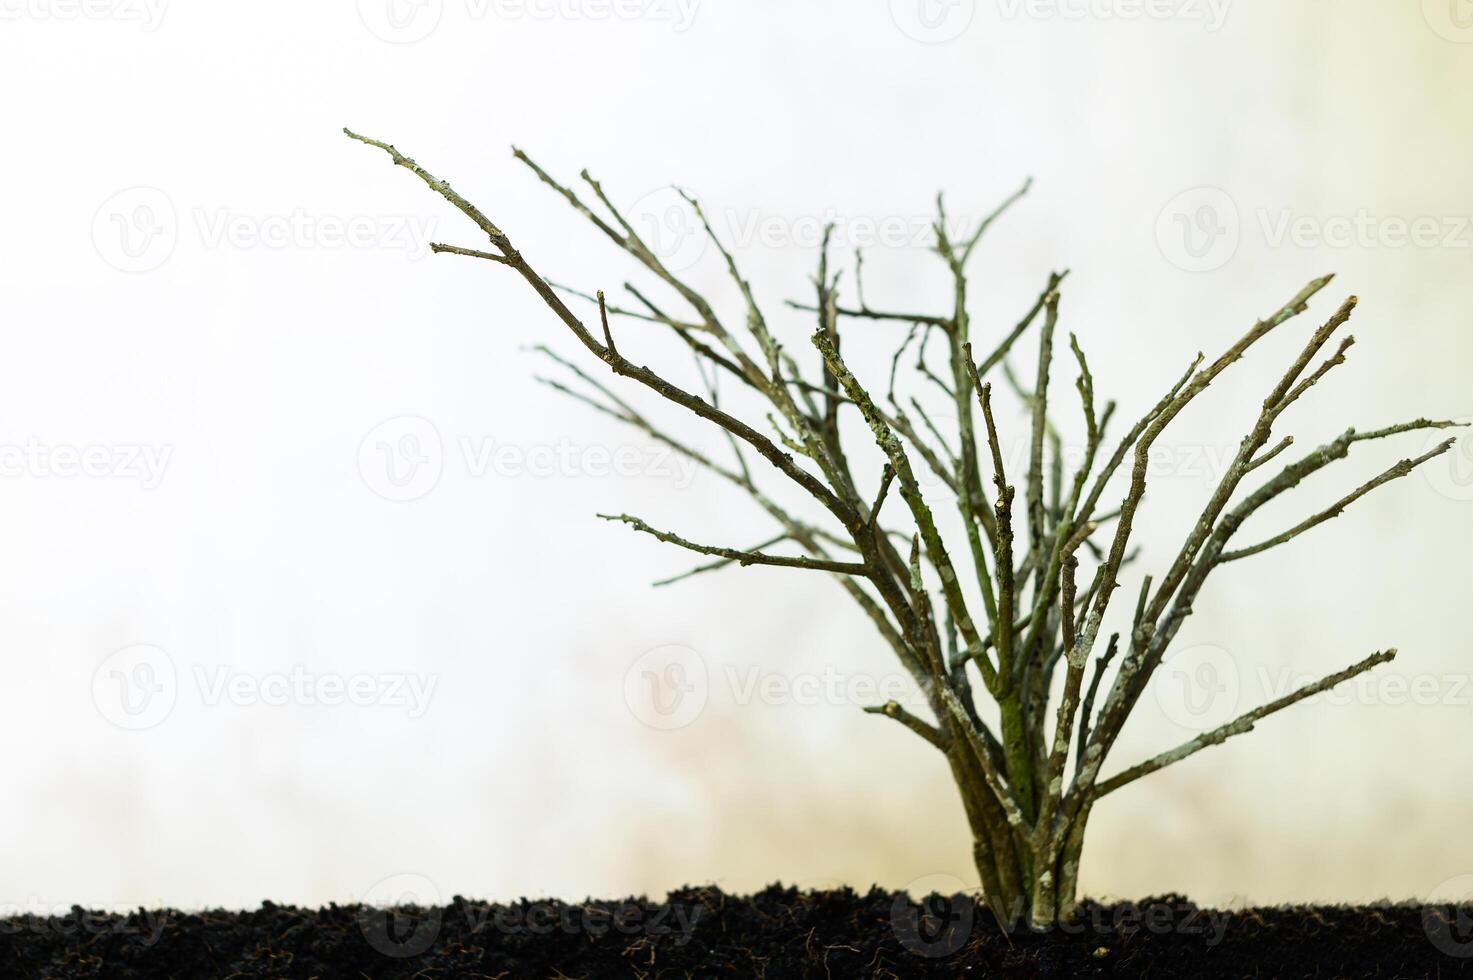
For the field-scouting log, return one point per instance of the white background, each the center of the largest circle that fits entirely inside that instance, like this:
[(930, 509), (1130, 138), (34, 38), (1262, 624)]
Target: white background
[(148, 149)]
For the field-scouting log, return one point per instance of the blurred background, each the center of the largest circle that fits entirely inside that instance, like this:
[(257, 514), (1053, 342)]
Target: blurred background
[(302, 595)]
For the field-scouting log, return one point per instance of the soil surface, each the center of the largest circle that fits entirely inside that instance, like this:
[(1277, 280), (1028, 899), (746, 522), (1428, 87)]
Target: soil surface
[(775, 934)]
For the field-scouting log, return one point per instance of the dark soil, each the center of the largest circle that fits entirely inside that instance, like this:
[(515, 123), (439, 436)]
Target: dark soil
[(775, 934)]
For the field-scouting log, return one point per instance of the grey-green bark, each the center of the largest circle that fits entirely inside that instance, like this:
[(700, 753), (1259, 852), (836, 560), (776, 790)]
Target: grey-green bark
[(998, 623)]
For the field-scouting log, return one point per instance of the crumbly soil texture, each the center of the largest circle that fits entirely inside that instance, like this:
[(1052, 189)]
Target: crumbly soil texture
[(777, 933)]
